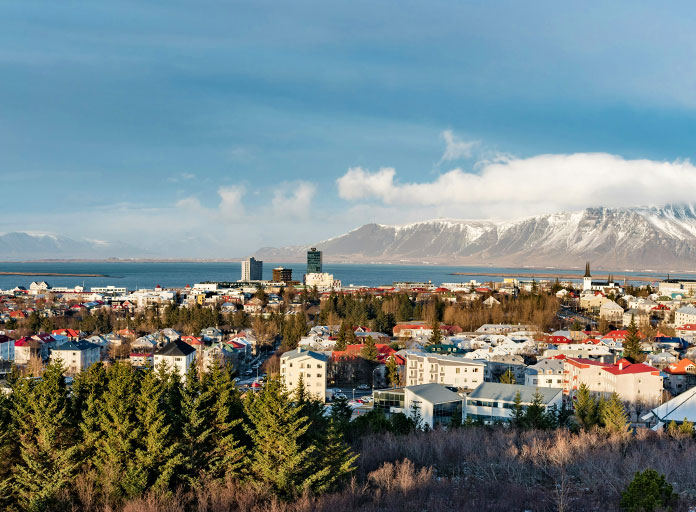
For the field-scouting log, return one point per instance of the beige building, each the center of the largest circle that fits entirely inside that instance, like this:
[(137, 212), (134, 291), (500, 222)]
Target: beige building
[(76, 356), (446, 370), (632, 382), (611, 311), (309, 365), (592, 301)]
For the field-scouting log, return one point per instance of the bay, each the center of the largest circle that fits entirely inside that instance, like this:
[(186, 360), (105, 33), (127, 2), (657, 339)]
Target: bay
[(135, 275)]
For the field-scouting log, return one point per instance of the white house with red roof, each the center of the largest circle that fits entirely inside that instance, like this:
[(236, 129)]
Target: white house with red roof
[(633, 382)]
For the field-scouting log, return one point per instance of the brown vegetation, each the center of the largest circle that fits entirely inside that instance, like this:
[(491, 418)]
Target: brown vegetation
[(473, 468)]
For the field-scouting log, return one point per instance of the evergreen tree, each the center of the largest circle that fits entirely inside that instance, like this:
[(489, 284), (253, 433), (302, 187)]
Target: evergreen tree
[(8, 449), (508, 377), (227, 453), (614, 415), (341, 339), (369, 351), (158, 452), (518, 414), (351, 338), (196, 435), (277, 427), (586, 408), (48, 452), (436, 336), (120, 475), (535, 413), (87, 390), (341, 413), (632, 349), (392, 371), (337, 461)]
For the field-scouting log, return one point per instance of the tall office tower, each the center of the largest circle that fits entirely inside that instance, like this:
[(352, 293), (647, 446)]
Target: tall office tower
[(282, 275), (314, 261), (252, 270)]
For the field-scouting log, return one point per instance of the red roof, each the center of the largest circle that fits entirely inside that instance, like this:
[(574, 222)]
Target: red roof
[(624, 367), (680, 367), (191, 340), (70, 333), (383, 351), (583, 362), (557, 340), (687, 327)]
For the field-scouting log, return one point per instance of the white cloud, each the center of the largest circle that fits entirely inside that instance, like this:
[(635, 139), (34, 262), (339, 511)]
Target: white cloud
[(295, 203), (529, 186), (229, 206), (456, 148), (182, 176)]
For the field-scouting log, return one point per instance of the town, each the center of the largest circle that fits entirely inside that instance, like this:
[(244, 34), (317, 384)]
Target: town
[(581, 355)]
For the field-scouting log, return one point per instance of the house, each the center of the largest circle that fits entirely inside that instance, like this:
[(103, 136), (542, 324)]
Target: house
[(679, 409), (434, 403), (7, 348), (493, 401), (547, 373), (211, 334), (70, 334), (633, 382), (611, 311), (27, 349), (146, 343), (309, 366), (499, 364), (685, 315), (194, 341), (77, 356), (141, 359), (446, 370), (679, 376), (175, 355)]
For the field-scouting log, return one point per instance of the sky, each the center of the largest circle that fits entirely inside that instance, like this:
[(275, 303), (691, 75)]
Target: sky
[(213, 128)]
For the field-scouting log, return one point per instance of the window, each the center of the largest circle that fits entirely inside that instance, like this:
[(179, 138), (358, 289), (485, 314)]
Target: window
[(309, 365), (318, 375), (456, 370)]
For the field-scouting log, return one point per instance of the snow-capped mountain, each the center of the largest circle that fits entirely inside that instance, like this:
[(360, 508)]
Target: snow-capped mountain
[(35, 246), (637, 238)]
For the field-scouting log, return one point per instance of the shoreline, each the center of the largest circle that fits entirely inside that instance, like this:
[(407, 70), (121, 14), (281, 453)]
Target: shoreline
[(551, 275), (50, 274)]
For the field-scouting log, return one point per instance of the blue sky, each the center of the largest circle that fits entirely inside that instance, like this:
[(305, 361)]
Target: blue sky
[(211, 128)]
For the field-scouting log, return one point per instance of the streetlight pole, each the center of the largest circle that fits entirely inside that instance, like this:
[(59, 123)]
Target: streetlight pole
[(353, 394)]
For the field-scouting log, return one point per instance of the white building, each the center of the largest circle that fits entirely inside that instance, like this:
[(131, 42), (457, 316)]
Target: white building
[(685, 315), (252, 270), (323, 281), (176, 355), (611, 311), (77, 356), (446, 370), (494, 401), (109, 290), (434, 403), (39, 287), (547, 373), (308, 365), (681, 407)]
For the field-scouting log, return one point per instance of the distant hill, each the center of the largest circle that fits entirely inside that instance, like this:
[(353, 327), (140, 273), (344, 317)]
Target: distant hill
[(28, 246), (636, 238)]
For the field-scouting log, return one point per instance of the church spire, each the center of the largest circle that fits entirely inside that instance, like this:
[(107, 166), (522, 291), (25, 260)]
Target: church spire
[(587, 269)]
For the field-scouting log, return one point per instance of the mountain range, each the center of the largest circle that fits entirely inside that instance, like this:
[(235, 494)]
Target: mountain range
[(640, 238), (20, 246)]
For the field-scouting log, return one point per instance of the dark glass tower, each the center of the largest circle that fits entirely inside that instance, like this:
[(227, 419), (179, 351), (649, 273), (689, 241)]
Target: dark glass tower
[(314, 261)]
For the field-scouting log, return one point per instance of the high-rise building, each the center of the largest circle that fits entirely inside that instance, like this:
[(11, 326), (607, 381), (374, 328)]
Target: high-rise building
[(282, 275), (252, 270), (314, 261)]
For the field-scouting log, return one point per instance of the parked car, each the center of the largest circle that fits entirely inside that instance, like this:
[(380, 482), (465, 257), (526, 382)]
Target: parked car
[(340, 395), (363, 386)]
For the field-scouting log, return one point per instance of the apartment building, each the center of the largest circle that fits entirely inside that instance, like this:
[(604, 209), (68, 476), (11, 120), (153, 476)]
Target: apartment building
[(310, 366), (447, 370), (633, 382)]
